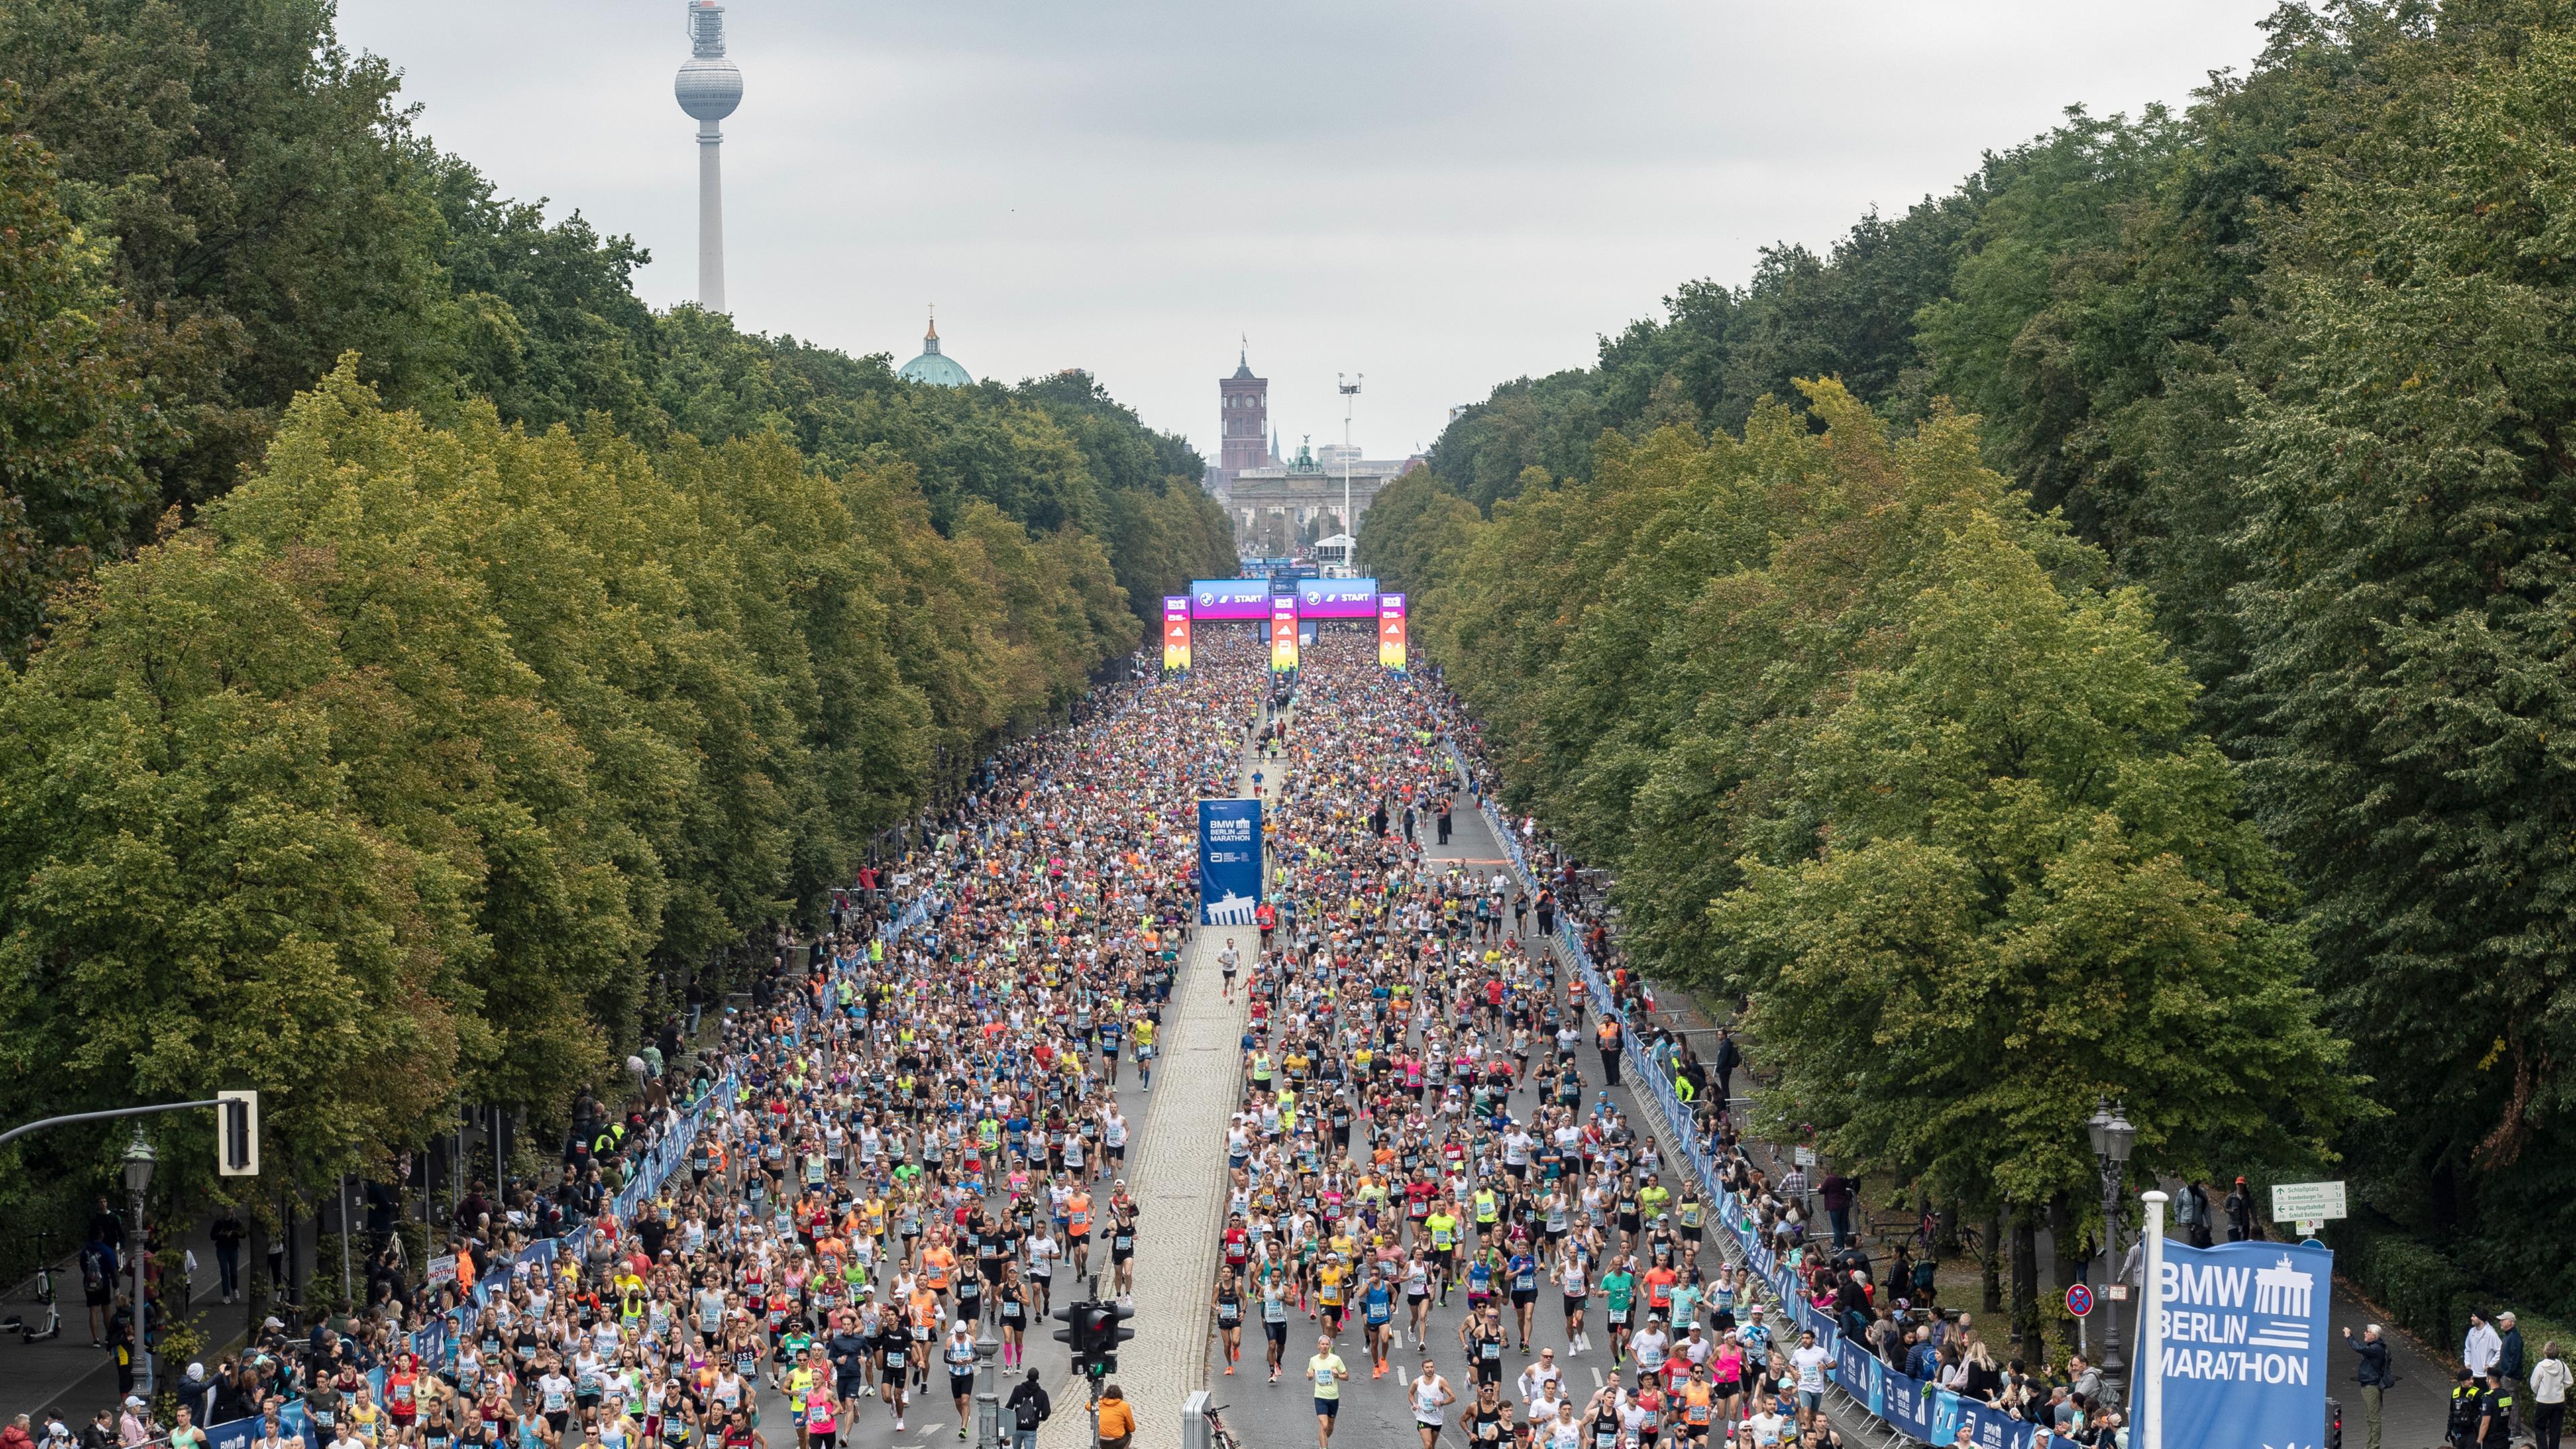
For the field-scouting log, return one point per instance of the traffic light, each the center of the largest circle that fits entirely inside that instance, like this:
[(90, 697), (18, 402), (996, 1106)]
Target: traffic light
[(1113, 1332), (1086, 1334), (237, 1134)]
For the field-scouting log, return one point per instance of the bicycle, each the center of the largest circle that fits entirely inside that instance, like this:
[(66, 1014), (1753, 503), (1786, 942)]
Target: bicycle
[(1219, 1436)]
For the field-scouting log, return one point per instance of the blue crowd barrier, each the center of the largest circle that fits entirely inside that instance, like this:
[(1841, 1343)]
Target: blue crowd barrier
[(1919, 1411), (435, 1344)]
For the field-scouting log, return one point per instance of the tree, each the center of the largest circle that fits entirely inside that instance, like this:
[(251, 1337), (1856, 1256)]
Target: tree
[(1862, 737), (1409, 526), (78, 418), (2407, 706)]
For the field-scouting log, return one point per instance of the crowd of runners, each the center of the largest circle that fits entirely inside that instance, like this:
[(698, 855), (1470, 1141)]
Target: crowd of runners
[(1416, 1125), (928, 1142)]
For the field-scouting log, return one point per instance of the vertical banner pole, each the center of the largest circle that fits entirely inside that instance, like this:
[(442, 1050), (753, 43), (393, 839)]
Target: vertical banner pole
[(2149, 1399), (1390, 632), (1176, 632), (1283, 634)]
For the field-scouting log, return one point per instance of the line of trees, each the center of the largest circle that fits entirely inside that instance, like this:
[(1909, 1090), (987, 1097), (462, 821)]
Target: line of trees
[(2290, 373), (424, 660), (1871, 742)]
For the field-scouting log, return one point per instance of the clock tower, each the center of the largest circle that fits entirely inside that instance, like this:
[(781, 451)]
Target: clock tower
[(1244, 400)]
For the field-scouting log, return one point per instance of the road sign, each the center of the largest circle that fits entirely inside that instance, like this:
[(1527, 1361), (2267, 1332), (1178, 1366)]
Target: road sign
[(2307, 1202), (1806, 1156), (2079, 1299), (2117, 1293)]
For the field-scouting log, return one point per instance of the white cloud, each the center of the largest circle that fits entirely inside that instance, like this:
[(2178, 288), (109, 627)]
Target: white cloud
[(1442, 193)]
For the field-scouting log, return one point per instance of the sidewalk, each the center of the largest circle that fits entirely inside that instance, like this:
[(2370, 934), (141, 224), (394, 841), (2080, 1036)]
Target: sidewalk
[(1176, 1170), (2414, 1414)]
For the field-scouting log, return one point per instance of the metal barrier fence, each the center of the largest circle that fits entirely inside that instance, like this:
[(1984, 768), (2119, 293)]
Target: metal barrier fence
[(434, 1346), (1907, 1408)]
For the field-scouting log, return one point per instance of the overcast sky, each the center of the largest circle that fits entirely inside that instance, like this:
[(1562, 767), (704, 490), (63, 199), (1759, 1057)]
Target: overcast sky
[(1440, 194)]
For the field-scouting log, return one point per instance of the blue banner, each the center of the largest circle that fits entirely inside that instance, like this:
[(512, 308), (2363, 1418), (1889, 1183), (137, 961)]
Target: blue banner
[(1212, 599), (1229, 861), (2244, 1356), (1861, 1377), (1988, 1427), (1337, 598), (1908, 1406)]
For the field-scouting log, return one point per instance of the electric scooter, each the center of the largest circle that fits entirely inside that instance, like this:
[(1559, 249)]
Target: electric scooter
[(17, 1323)]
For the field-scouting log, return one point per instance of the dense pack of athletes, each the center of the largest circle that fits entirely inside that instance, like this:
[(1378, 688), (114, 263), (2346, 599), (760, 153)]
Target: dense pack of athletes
[(1415, 1127)]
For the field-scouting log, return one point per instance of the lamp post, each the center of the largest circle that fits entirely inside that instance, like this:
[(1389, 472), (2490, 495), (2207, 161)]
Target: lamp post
[(138, 1176), (988, 1398), (2112, 1138)]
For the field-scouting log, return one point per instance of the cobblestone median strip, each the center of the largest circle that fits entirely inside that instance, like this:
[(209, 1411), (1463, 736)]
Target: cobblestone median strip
[(1177, 1172)]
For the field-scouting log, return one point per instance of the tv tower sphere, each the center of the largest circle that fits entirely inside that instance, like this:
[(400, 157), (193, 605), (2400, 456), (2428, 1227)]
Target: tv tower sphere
[(708, 87)]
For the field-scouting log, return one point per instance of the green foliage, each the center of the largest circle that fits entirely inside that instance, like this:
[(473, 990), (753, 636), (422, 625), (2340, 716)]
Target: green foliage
[(1967, 854), (2421, 1289), (1411, 523), (261, 204), (78, 417), (2297, 360), (263, 192), (2411, 585), (1719, 351), (548, 326), (434, 758)]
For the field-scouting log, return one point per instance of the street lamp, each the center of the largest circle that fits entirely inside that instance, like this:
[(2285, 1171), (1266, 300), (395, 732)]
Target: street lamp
[(2112, 1138), (138, 1176)]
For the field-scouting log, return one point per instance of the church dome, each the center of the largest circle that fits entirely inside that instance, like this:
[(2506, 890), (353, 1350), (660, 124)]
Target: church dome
[(933, 366)]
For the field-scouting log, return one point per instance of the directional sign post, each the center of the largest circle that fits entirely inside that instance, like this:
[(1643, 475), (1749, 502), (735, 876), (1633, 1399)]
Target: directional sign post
[(2309, 1204)]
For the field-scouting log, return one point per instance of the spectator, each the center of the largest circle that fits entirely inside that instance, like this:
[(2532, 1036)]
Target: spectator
[(1029, 1408), (2083, 1379), (2509, 1365), (2191, 1214), (2373, 1375), (2480, 1350), (2240, 1214), (228, 1232), (1117, 1421), (2549, 1377), (1835, 1192)]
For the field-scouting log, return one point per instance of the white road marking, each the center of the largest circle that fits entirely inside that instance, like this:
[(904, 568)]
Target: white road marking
[(1596, 1376)]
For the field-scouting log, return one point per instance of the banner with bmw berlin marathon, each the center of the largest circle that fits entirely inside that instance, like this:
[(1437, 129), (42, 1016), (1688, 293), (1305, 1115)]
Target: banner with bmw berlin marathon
[(1390, 631), (1176, 631), (2241, 1356), (1229, 861)]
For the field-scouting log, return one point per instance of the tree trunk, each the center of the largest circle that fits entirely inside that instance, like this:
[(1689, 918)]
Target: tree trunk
[(256, 1288), (2062, 1243), (294, 1286), (1991, 1254), (2025, 1282)]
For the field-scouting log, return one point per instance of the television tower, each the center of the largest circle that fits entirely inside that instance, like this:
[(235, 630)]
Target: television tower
[(708, 89)]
